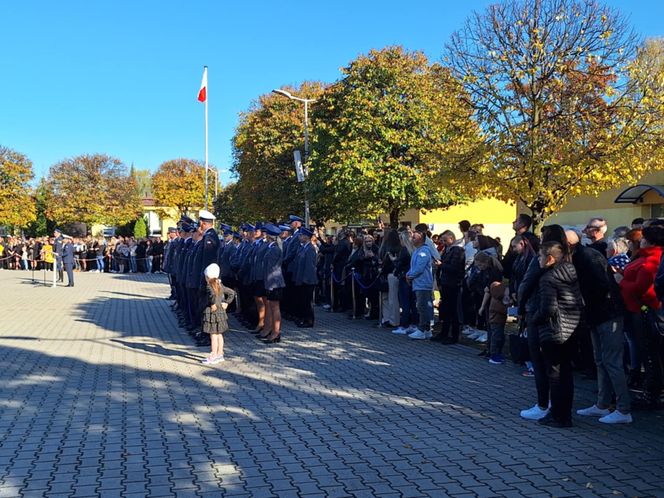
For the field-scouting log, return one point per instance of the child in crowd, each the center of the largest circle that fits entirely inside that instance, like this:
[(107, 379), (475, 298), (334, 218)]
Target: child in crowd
[(496, 298), (215, 321)]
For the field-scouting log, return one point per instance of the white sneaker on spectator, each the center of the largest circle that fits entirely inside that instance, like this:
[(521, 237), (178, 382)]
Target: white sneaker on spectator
[(593, 411), (418, 334), (482, 337), (617, 418), (411, 328), (400, 331), (474, 334), (534, 413)]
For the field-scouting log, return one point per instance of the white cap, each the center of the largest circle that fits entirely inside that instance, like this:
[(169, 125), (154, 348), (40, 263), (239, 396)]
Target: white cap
[(206, 215), (212, 271)]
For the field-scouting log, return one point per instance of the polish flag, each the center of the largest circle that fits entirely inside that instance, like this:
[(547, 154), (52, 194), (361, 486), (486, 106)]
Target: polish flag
[(202, 93)]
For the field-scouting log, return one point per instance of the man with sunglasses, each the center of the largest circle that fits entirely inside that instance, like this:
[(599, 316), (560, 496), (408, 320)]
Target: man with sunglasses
[(596, 230)]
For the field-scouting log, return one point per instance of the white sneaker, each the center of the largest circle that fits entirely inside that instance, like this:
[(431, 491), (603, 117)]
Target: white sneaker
[(411, 328), (593, 411), (400, 331), (616, 418), (474, 334), (213, 360), (534, 413), (326, 306), (418, 334), (482, 337)]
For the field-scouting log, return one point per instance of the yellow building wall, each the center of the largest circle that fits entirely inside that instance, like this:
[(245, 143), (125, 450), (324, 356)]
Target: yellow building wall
[(496, 216), (580, 209)]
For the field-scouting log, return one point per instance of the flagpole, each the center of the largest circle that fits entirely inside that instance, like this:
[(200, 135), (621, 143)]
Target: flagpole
[(206, 142)]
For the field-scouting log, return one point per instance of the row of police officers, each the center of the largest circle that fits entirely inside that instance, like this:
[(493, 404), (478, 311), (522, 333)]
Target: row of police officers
[(272, 268)]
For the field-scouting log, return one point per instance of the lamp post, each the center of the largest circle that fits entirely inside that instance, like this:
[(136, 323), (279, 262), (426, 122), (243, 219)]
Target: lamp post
[(306, 102)]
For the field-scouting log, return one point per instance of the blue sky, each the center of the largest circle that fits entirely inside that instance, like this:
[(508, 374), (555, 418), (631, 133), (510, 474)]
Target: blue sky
[(121, 77)]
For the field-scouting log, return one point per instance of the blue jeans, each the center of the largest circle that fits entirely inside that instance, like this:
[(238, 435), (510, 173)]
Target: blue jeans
[(132, 263), (424, 300), (100, 263), (496, 338), (409, 314)]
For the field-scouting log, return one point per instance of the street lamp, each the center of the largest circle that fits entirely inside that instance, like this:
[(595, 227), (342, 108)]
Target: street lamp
[(306, 102)]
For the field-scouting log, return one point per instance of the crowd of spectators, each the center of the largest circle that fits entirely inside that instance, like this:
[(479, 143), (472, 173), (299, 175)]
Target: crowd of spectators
[(97, 255), (579, 299)]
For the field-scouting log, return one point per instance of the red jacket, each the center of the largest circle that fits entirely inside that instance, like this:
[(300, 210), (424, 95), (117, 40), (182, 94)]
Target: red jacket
[(637, 284)]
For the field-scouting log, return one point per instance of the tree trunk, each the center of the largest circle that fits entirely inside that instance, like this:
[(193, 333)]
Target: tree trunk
[(394, 218)]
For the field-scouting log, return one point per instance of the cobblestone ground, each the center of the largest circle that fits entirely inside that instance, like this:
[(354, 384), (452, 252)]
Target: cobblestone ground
[(102, 395)]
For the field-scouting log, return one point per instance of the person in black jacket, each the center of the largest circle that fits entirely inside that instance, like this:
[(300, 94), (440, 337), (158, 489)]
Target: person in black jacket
[(604, 312), (528, 302), (450, 275), (342, 249), (557, 317)]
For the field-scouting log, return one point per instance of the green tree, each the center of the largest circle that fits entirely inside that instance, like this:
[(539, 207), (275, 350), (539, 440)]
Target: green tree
[(229, 209), (92, 188), (140, 229), (384, 136), (180, 183), (552, 89), (263, 147), (41, 225), (17, 205)]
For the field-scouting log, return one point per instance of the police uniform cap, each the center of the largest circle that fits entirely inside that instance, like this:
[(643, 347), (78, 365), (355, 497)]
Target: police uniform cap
[(204, 215), (286, 228), (189, 228), (228, 231), (172, 230), (306, 232), (292, 218), (248, 227), (225, 227), (186, 219), (272, 229), (237, 235)]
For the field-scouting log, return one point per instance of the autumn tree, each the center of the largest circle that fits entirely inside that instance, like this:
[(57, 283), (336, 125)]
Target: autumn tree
[(41, 225), (384, 136), (263, 145), (180, 183), (551, 86), (92, 188), (17, 206), (228, 207)]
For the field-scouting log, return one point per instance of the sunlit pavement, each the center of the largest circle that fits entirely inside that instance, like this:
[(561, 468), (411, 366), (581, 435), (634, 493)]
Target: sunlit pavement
[(102, 395)]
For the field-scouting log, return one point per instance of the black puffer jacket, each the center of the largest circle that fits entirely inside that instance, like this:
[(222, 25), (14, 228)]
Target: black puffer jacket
[(527, 296), (560, 306)]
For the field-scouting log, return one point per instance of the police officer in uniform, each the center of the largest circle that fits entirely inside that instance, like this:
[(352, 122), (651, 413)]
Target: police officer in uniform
[(181, 275), (257, 277), (168, 258), (305, 279), (291, 248), (274, 284), (68, 259), (57, 252), (226, 252)]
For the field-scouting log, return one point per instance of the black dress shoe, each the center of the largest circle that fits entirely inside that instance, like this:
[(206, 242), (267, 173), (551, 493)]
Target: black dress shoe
[(272, 341), (439, 338), (306, 325), (550, 421), (449, 340)]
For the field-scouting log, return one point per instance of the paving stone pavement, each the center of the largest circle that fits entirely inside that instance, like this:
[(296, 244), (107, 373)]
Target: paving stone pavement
[(102, 395)]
